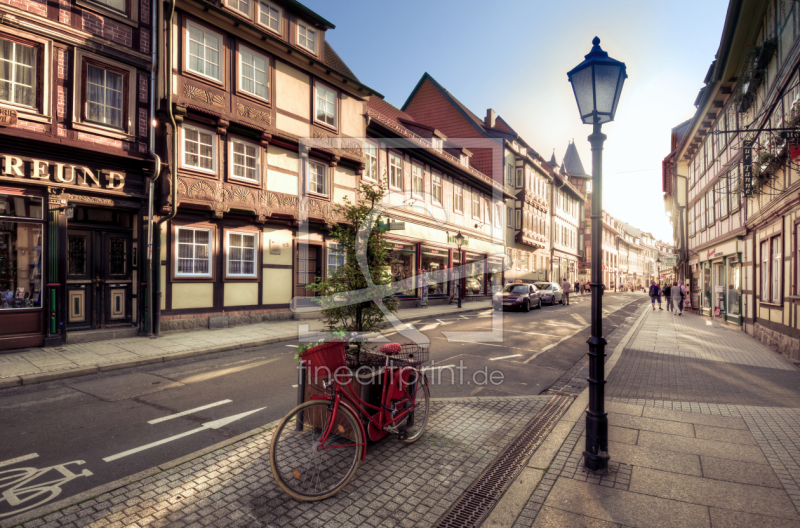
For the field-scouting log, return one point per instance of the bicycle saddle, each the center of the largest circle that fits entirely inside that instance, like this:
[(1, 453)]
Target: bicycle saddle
[(391, 348)]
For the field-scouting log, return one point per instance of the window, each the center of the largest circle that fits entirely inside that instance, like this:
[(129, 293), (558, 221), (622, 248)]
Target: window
[(487, 213), (723, 195), (519, 178), (270, 16), (253, 73), (701, 206), (17, 73), (417, 181), (518, 219), (436, 143), (324, 105), (317, 178), (458, 198), (710, 207), (306, 37), (775, 272), (509, 175), (242, 6), (104, 96), (395, 171), (765, 271), (371, 154), (241, 257), (498, 216), (194, 252), (476, 205), (205, 52), (199, 149), (335, 257), (736, 197), (436, 188), (245, 160)]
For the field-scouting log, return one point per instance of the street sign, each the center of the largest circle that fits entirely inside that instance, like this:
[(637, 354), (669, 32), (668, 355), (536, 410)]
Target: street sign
[(670, 262), (790, 134), (747, 175)]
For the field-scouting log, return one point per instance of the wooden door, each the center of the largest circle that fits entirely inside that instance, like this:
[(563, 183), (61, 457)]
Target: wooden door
[(116, 287), (309, 269)]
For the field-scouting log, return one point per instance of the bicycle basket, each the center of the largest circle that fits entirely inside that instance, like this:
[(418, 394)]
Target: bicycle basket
[(323, 360), (410, 355)]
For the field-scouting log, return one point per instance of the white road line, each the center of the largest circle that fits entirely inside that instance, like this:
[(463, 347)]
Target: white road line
[(18, 459), (294, 386), (440, 367), (190, 411), (548, 347), (292, 346), (505, 357), (530, 333), (216, 424), (580, 319)]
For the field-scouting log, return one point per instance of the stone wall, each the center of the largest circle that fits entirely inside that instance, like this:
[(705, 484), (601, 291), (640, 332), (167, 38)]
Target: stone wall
[(786, 345), (192, 323)]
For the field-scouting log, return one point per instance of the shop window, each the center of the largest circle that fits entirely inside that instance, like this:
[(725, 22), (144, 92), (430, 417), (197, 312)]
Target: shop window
[(241, 255), (371, 156), (245, 161), (18, 73), (20, 252), (436, 188), (336, 257), (253, 73), (325, 104), (270, 16), (458, 198), (395, 172), (194, 252), (734, 288), (404, 267), (317, 178), (434, 263), (306, 37), (204, 52), (475, 268), (494, 275), (417, 181), (199, 148)]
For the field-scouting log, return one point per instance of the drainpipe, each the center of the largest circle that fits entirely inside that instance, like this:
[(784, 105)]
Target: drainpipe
[(148, 311), (167, 83)]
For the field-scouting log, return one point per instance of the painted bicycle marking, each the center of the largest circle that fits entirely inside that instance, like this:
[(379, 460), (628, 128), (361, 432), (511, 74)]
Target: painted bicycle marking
[(22, 488)]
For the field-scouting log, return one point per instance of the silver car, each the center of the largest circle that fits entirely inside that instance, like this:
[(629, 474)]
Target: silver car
[(551, 292)]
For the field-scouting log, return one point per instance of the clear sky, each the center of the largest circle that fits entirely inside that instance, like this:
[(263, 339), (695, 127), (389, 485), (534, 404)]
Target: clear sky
[(513, 56)]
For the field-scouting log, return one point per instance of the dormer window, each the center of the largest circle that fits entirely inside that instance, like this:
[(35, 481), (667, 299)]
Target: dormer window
[(465, 160), (436, 143), (242, 6), (306, 37), (270, 17)]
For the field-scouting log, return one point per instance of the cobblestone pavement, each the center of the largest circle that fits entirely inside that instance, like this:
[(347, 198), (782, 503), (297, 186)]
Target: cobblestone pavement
[(397, 485)]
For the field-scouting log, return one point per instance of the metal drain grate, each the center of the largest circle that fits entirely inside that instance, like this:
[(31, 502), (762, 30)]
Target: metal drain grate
[(478, 500)]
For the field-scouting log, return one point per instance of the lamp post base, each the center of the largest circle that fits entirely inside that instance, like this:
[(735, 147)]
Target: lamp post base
[(596, 463)]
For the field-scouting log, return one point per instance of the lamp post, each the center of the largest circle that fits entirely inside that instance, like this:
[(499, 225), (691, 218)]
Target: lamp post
[(597, 83), (459, 241), (658, 272)]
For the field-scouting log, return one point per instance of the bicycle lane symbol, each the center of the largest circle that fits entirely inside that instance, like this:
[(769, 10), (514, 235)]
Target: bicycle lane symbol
[(20, 487)]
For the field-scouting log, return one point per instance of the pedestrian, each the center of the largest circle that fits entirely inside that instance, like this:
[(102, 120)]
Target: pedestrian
[(668, 296), (587, 287), (577, 286), (655, 295), (566, 287), (677, 297)]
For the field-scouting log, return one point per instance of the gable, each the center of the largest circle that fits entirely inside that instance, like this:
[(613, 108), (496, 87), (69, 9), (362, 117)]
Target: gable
[(429, 105)]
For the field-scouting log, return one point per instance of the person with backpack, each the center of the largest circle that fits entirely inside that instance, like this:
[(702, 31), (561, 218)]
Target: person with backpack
[(668, 296), (655, 295), (678, 297)]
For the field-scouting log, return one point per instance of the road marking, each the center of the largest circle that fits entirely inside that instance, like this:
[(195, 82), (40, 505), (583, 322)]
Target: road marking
[(580, 319), (18, 459), (476, 391), (223, 372), (216, 424), (480, 343), (548, 347), (529, 333), (440, 367), (292, 346), (294, 386), (190, 411), (504, 357)]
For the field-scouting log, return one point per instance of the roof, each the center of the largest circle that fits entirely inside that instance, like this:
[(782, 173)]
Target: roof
[(332, 60), (476, 121), (572, 162), (308, 13), (552, 163)]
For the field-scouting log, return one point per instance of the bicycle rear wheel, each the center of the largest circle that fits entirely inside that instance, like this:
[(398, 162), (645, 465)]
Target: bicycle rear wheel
[(299, 463), (418, 418)]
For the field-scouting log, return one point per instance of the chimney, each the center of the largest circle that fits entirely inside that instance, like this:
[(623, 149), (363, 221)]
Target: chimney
[(490, 118)]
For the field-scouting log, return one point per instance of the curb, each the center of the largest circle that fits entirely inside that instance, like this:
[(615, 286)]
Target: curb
[(43, 377), (111, 486)]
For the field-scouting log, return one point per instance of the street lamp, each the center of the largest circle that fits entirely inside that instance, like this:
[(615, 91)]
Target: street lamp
[(658, 265), (459, 241), (597, 83)]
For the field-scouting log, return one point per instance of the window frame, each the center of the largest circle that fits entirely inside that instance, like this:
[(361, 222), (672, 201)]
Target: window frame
[(767, 279), (248, 15), (326, 175), (222, 52), (509, 217), (458, 198), (129, 100), (212, 242), (85, 89), (371, 161), (280, 17), (319, 84), (437, 183), (517, 219), (239, 72), (395, 169), (417, 174), (308, 27), (259, 154), (475, 203), (332, 249), (214, 150), (518, 183), (240, 277), (498, 212), (710, 207), (40, 72)]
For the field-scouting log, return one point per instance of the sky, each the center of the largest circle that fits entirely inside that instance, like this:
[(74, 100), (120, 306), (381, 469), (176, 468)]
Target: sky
[(513, 56)]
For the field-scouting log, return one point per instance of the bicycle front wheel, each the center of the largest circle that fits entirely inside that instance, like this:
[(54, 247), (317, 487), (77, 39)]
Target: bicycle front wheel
[(418, 418), (304, 466)]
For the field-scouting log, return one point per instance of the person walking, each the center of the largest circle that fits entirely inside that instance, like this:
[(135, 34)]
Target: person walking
[(566, 287), (677, 298), (668, 296), (655, 295), (586, 287), (577, 286)]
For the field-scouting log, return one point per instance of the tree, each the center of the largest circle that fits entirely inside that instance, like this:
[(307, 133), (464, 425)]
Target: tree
[(351, 298)]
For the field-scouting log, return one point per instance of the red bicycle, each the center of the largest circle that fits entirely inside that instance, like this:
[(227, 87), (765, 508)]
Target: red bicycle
[(317, 447)]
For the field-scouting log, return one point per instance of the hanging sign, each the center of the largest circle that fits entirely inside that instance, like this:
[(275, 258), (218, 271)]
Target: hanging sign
[(747, 176), (8, 117), (790, 134)]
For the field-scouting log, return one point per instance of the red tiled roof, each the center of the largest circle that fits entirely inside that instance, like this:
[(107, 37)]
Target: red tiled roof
[(331, 59), (388, 110)]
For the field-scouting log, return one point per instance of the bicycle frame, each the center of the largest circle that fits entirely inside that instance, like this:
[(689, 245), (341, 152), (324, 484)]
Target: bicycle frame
[(357, 406)]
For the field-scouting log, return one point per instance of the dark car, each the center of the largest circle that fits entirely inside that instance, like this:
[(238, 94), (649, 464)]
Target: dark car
[(524, 296), (551, 292)]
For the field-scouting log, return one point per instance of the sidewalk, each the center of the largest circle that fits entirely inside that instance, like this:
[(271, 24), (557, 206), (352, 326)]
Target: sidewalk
[(37, 365)]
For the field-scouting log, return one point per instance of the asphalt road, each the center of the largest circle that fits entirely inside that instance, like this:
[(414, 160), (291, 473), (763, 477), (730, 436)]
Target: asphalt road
[(92, 430)]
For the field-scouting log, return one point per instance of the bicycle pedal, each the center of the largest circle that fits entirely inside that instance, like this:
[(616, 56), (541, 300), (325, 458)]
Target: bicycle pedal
[(391, 429)]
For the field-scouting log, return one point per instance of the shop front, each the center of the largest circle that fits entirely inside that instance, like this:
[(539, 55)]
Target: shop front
[(717, 282)]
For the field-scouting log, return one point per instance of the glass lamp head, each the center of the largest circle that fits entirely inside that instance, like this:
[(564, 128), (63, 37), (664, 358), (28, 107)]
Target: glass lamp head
[(597, 84)]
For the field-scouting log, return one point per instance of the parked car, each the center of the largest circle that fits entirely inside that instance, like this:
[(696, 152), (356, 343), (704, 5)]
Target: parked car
[(551, 292), (524, 296)]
